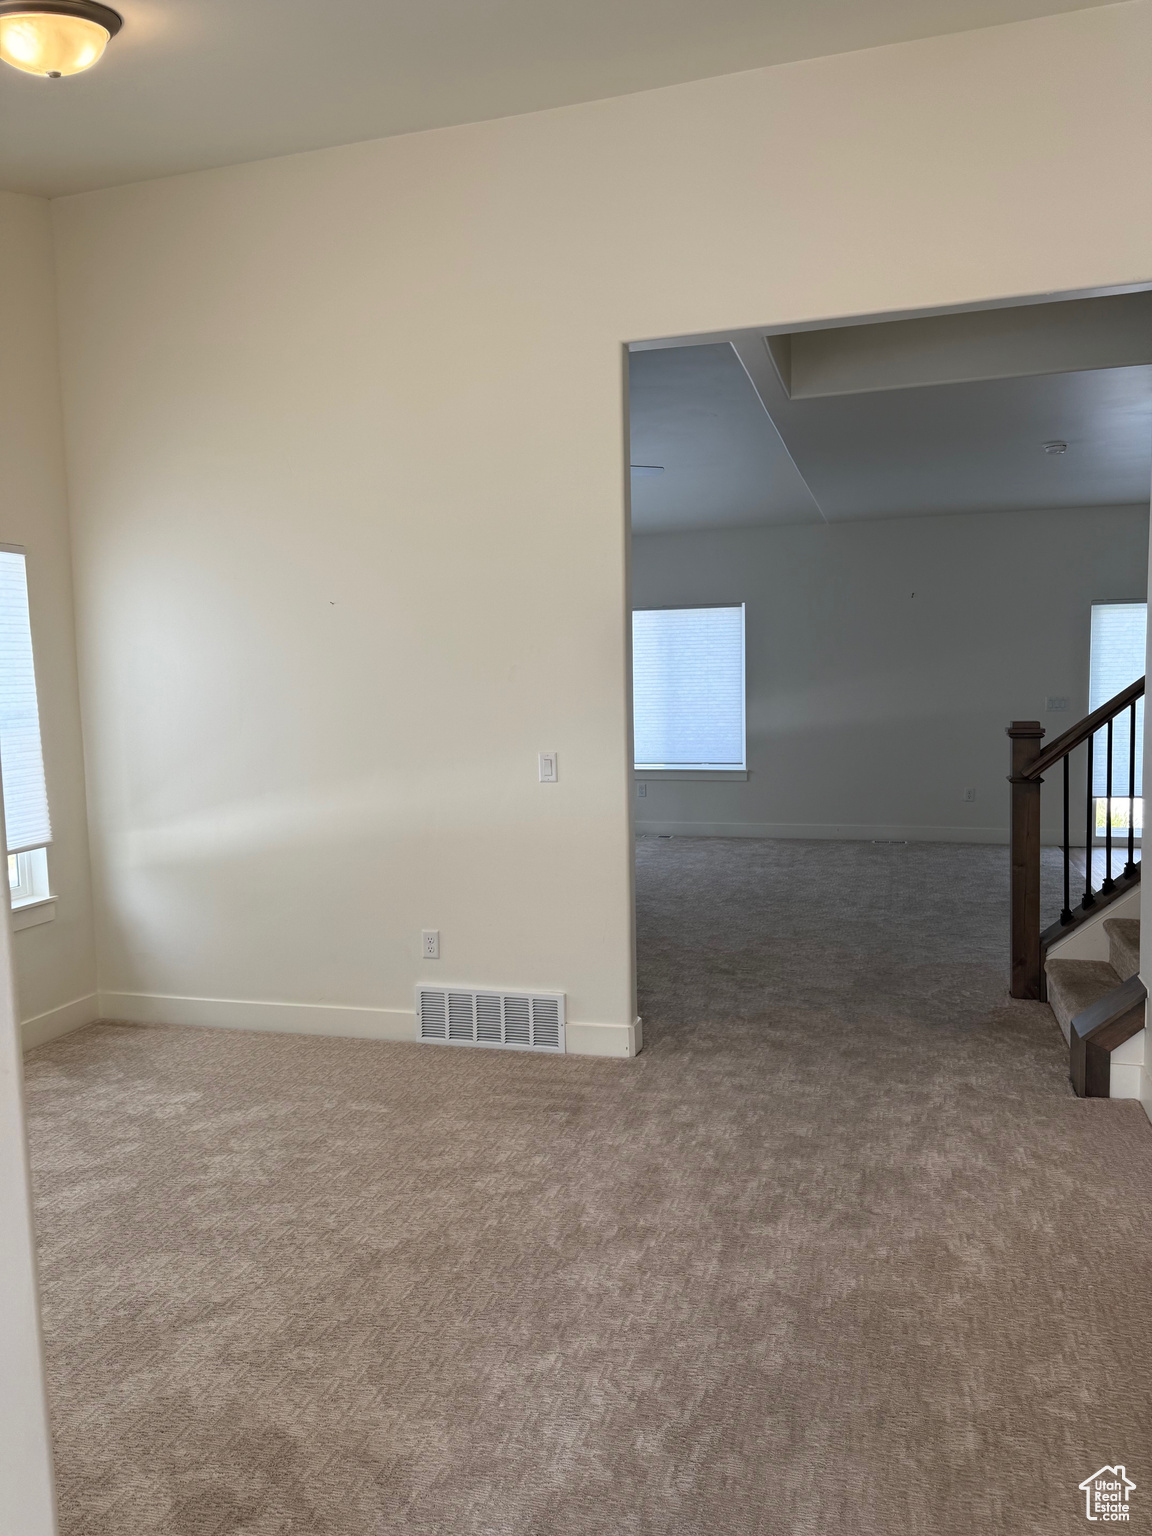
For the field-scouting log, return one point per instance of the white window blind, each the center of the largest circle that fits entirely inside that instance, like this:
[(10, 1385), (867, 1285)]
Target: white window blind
[(688, 687), (1119, 647), (21, 758)]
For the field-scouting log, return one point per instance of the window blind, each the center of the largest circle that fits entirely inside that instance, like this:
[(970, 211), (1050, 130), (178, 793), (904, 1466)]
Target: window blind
[(21, 758), (1119, 646), (688, 687)]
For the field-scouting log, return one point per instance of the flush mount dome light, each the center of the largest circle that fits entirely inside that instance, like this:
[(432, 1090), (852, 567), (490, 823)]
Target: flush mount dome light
[(54, 37)]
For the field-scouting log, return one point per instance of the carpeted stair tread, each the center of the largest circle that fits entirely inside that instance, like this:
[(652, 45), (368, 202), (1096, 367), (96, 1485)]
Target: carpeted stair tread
[(1074, 985), (1123, 945)]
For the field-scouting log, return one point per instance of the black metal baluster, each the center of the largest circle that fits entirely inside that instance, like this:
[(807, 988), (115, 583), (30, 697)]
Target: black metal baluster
[(1109, 884), (1066, 914), (1130, 868), (1089, 893)]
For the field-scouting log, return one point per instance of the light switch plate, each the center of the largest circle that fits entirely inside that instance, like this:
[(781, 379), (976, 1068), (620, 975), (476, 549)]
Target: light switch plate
[(549, 772)]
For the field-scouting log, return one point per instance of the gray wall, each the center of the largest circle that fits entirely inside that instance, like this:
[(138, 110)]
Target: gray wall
[(885, 658)]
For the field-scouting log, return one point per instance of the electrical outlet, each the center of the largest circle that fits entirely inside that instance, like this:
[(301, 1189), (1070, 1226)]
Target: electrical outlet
[(969, 794), (430, 943), (549, 772), (641, 790)]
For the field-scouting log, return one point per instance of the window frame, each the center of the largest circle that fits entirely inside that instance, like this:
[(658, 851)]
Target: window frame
[(642, 771), (30, 900), (32, 883), (1100, 802), (7, 548)]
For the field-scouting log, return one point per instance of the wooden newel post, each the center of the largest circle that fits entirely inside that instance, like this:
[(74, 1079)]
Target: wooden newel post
[(1025, 850)]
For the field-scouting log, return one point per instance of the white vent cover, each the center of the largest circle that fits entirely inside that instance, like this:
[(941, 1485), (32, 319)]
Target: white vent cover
[(520, 1021)]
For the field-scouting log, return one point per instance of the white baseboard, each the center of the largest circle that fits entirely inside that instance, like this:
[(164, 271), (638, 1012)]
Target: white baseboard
[(280, 1018), (60, 1021), (1146, 1089), (1124, 1081), (833, 831), (623, 1040), (620, 1040)]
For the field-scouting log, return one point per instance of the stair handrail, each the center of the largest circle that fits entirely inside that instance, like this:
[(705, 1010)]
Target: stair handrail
[(1079, 733), (1029, 763)]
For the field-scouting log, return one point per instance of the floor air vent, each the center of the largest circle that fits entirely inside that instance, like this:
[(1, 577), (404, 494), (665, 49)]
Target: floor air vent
[(522, 1021)]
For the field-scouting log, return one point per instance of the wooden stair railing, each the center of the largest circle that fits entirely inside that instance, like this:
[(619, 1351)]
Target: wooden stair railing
[(1030, 942)]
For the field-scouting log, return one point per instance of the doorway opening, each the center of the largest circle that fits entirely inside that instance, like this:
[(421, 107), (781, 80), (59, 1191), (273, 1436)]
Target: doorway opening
[(860, 552)]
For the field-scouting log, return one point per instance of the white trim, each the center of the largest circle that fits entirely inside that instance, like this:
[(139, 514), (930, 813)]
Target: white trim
[(623, 1041), (60, 1021), (281, 1018), (836, 831), (654, 774), (27, 1484), (32, 877), (1124, 1078), (29, 914), (23, 890), (620, 1040)]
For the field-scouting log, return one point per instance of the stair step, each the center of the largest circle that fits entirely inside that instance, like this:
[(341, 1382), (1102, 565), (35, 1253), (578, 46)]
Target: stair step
[(1123, 945), (1074, 985), (1099, 1032)]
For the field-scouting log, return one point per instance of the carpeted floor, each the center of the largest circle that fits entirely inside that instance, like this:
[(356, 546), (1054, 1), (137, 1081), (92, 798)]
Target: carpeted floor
[(838, 1253)]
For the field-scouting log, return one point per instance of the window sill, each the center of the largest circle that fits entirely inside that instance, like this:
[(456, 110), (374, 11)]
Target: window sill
[(28, 914), (737, 774)]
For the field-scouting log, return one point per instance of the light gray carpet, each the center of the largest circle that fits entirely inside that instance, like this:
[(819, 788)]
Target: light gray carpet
[(839, 1253)]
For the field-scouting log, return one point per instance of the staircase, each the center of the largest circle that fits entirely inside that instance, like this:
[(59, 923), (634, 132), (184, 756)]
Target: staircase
[(1100, 1007), (1099, 1002)]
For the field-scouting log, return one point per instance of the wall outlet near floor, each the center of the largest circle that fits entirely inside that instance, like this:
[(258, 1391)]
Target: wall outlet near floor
[(430, 943), (969, 794), (641, 790)]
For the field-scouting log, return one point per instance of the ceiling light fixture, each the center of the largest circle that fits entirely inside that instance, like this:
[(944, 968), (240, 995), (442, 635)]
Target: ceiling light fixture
[(1056, 447), (54, 37)]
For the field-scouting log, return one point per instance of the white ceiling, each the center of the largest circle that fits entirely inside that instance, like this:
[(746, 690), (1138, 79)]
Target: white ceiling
[(734, 454), (694, 414), (979, 447), (189, 84)]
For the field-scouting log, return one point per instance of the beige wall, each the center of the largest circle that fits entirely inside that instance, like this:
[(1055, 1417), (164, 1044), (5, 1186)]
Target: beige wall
[(347, 468), (55, 962), (884, 659), (52, 967)]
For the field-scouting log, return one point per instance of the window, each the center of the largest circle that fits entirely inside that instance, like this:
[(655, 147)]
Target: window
[(1119, 646), (25, 797), (688, 687), (28, 876)]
